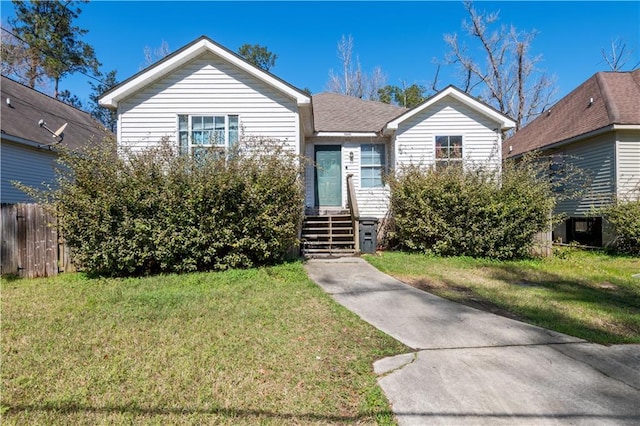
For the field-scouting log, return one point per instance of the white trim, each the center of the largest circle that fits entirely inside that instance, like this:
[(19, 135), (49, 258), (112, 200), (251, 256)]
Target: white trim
[(343, 177), (384, 167), (504, 121), (346, 134), (191, 144), (434, 160), (616, 157), (119, 127), (162, 68), (298, 134), (626, 127)]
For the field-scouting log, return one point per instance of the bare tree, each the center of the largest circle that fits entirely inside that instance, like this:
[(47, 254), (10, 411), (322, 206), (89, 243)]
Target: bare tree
[(352, 81), (507, 77), (618, 56), (377, 80), (16, 61), (151, 56)]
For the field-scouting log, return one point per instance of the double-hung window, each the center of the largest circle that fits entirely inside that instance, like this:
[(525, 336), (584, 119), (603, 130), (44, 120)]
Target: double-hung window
[(448, 151), (372, 164), (199, 134)]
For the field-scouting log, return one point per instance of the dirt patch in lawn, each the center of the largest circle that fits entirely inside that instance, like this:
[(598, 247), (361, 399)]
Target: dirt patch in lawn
[(459, 294)]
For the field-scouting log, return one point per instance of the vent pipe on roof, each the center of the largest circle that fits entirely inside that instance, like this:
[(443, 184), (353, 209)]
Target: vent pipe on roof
[(9, 103), (590, 102)]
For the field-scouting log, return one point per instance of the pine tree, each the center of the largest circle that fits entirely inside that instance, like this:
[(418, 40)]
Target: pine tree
[(54, 48)]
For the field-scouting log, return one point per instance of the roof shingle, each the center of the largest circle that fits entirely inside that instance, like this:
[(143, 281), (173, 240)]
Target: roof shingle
[(20, 118), (605, 99), (333, 112)]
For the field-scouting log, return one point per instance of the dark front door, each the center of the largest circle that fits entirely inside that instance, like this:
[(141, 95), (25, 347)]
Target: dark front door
[(328, 175)]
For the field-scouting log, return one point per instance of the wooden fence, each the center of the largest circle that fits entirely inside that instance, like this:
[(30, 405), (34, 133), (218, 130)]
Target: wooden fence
[(31, 244), (542, 244)]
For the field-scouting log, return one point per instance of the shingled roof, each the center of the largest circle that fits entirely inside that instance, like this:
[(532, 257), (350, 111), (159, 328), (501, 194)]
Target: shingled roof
[(333, 112), (26, 107), (605, 99)]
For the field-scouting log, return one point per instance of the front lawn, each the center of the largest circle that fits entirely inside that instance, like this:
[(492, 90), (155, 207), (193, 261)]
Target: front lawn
[(589, 295), (258, 346)]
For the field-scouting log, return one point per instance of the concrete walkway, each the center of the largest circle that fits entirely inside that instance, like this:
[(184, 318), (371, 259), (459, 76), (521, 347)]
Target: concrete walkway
[(472, 367)]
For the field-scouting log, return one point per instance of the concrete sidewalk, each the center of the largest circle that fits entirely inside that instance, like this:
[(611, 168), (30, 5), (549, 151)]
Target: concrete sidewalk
[(474, 367)]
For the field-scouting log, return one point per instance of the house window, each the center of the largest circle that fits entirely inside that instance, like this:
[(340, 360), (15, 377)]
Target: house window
[(448, 151), (198, 134), (372, 163)]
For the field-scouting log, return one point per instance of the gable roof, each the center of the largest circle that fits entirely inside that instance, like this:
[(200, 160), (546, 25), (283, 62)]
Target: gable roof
[(455, 93), (604, 100), (26, 107), (190, 51), (333, 112)]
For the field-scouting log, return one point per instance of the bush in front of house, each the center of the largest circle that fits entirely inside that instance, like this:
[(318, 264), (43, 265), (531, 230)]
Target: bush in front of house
[(478, 212), (624, 218), (156, 211)]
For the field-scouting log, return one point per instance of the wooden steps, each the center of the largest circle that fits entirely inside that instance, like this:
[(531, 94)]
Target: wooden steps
[(328, 236)]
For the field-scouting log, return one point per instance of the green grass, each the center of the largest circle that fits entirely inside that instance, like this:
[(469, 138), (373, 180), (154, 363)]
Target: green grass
[(590, 295), (260, 346)]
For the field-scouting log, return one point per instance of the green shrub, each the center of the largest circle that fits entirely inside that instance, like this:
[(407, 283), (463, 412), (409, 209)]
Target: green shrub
[(479, 212), (624, 217), (156, 211)]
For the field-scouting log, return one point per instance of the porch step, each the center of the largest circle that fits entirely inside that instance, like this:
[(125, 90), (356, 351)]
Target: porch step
[(328, 236)]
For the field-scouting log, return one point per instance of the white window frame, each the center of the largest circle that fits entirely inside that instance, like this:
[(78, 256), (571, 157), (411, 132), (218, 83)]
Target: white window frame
[(381, 166), (185, 137), (448, 160)]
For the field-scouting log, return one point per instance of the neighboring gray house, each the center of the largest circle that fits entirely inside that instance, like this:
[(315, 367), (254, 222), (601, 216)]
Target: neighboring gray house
[(595, 128), (28, 150), (204, 86)]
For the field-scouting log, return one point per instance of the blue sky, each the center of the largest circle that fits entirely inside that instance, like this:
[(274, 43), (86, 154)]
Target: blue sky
[(400, 37)]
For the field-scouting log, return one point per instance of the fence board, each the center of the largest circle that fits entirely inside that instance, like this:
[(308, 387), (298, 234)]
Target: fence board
[(31, 246), (542, 245), (9, 250)]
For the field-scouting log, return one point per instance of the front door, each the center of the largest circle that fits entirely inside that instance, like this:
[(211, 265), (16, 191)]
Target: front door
[(328, 175)]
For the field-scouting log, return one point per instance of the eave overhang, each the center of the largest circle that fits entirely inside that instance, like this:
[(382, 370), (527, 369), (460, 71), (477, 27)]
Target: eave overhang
[(577, 138), (111, 98), (503, 121)]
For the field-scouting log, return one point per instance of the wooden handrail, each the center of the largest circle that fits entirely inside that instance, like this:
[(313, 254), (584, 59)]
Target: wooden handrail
[(352, 201)]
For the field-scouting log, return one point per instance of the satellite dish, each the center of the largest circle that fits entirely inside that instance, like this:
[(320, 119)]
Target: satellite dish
[(57, 134)]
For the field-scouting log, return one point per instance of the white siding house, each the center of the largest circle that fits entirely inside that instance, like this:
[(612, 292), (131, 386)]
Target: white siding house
[(204, 84), (451, 119), (375, 139), (208, 86)]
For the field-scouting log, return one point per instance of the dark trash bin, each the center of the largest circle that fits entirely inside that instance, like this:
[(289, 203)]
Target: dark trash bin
[(368, 234)]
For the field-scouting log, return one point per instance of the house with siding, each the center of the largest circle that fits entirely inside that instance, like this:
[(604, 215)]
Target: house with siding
[(28, 149), (204, 88), (595, 129)]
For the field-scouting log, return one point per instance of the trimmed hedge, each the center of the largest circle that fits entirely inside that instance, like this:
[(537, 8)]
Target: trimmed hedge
[(156, 211), (479, 213)]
